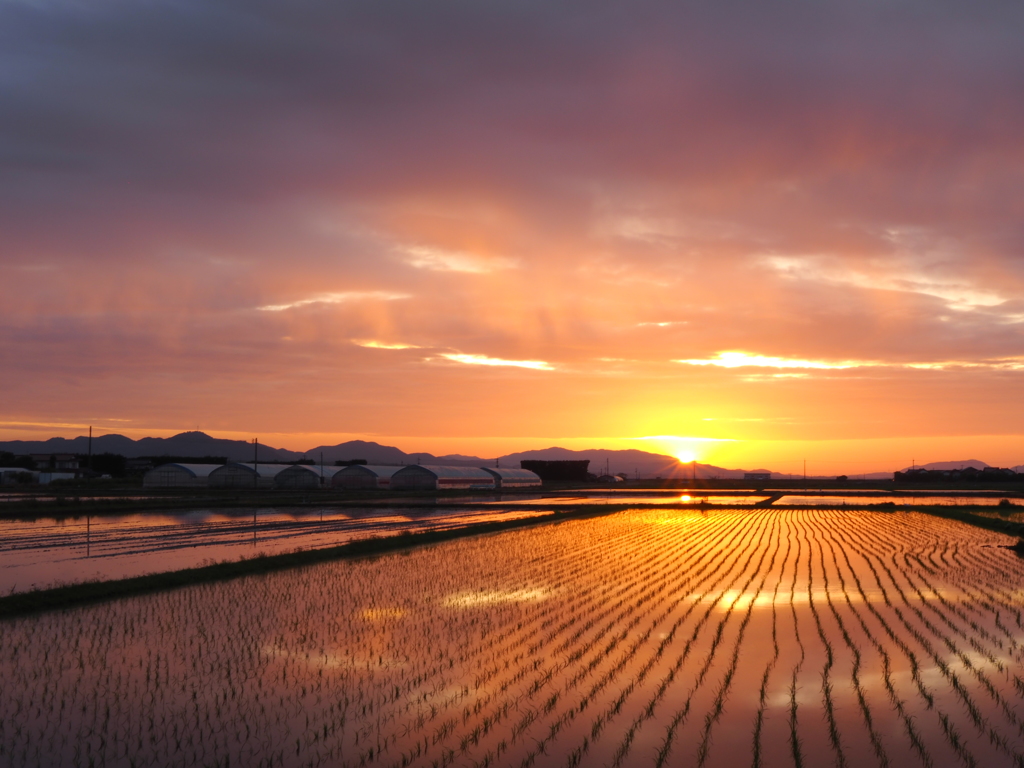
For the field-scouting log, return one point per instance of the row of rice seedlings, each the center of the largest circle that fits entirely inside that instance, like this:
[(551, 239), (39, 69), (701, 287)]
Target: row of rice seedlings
[(897, 702), (826, 683), (936, 596), (616, 705), (960, 690), (888, 629), (1001, 599), (295, 671), (648, 711), (532, 692), (587, 668), (1001, 575), (876, 742), (717, 708), (960, 609), (621, 632), (763, 692), (994, 736), (154, 677), (683, 712), (949, 642), (939, 599)]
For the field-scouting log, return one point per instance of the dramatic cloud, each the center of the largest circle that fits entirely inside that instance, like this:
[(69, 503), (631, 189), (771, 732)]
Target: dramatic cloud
[(371, 344), (335, 298), (447, 261), (208, 208), (742, 359), (538, 365)]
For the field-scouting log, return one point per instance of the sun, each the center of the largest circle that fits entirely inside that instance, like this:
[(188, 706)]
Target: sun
[(686, 456)]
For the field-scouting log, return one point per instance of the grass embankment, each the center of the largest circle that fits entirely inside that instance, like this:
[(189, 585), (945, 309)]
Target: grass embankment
[(72, 595)]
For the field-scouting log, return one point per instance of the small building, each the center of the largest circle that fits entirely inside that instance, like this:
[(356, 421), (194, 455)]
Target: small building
[(558, 471), (363, 476), (45, 478), (757, 475), (55, 461), (303, 476), (513, 478), (236, 475), (179, 476), (415, 477), (17, 475)]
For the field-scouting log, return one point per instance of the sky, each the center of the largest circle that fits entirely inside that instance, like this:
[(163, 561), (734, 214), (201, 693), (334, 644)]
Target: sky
[(750, 233)]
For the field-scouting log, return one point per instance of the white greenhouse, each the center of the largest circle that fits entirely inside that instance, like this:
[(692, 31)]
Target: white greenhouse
[(179, 476), (513, 478), (303, 476), (363, 476), (421, 478), (246, 475)]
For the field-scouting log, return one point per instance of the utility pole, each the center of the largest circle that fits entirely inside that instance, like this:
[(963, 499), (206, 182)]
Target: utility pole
[(90, 448), (805, 473), (694, 474), (255, 481)]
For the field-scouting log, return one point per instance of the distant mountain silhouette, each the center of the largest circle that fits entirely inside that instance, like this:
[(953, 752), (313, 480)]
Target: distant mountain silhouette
[(374, 453), (200, 444), (184, 444)]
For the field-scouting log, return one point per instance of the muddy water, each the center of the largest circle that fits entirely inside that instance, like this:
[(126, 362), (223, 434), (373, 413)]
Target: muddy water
[(661, 637)]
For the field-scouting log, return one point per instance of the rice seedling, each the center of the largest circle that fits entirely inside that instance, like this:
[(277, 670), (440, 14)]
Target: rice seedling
[(628, 639)]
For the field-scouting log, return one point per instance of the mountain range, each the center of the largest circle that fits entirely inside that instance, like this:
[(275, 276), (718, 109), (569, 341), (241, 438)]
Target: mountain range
[(632, 462)]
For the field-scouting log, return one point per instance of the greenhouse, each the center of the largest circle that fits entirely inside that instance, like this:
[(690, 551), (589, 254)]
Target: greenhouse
[(363, 476), (513, 478), (179, 476), (303, 476), (246, 475), (419, 478)]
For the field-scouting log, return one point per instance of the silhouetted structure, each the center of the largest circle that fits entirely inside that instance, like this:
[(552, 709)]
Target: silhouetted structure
[(179, 476), (431, 478), (238, 475), (52, 461), (363, 475), (558, 471), (513, 478), (967, 474), (304, 477)]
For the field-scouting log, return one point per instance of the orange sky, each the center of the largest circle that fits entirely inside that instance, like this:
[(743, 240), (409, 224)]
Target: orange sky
[(480, 229)]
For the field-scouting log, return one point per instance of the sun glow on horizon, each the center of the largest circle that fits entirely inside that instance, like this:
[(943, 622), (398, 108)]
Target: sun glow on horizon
[(686, 449)]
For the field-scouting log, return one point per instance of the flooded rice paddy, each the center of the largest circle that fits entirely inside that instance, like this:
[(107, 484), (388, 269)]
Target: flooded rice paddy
[(755, 637), (43, 552)]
